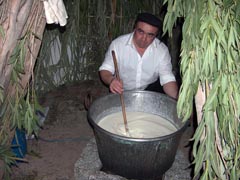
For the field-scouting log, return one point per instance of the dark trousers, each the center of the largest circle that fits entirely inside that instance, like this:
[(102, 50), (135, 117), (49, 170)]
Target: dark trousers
[(156, 87)]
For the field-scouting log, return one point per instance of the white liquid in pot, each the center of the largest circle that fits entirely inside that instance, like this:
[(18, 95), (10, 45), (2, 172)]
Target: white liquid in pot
[(140, 125)]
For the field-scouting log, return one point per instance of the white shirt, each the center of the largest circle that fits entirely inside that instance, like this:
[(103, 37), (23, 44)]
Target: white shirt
[(135, 71)]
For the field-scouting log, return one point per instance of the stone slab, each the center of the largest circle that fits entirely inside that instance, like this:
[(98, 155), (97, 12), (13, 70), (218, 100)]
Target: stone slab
[(88, 167)]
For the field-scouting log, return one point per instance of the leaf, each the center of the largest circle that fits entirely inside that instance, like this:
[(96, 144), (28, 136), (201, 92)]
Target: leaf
[(217, 28), (2, 32), (219, 57), (231, 133), (199, 159), (230, 37), (214, 163), (224, 83), (198, 135)]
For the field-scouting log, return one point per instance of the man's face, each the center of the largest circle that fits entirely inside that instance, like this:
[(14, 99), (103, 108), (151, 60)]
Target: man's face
[(144, 34)]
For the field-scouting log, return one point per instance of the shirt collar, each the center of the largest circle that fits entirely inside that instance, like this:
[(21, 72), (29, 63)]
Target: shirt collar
[(129, 40)]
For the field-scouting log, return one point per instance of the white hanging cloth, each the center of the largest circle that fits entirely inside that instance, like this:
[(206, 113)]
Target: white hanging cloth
[(55, 12)]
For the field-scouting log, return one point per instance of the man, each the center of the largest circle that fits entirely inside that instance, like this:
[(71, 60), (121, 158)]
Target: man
[(142, 59)]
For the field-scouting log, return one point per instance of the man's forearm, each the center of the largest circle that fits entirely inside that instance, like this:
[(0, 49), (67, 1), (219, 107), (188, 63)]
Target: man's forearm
[(171, 89), (106, 77)]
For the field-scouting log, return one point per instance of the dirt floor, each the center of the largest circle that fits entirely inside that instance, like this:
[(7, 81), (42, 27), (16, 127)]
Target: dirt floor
[(64, 134)]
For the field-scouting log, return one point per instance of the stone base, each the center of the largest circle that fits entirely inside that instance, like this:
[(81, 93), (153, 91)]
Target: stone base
[(88, 167)]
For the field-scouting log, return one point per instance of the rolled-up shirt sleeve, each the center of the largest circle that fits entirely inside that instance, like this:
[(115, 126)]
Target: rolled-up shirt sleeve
[(108, 60), (165, 71)]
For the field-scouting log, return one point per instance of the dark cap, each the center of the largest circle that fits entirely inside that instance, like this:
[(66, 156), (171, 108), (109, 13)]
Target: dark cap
[(149, 19)]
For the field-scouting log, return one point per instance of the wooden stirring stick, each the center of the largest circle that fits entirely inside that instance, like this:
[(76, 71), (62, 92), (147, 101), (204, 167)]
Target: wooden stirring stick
[(121, 95)]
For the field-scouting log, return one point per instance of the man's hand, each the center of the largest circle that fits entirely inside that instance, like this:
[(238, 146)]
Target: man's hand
[(116, 86)]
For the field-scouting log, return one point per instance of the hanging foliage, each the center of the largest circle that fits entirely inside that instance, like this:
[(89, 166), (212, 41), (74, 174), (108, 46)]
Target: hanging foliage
[(210, 69), (21, 27)]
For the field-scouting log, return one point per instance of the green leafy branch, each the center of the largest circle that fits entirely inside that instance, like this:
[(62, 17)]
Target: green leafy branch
[(18, 111), (210, 62)]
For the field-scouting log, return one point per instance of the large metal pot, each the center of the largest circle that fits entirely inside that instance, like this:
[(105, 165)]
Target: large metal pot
[(135, 158)]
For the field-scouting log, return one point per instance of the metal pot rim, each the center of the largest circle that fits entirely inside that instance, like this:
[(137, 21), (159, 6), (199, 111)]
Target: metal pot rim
[(95, 125)]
